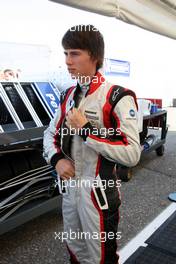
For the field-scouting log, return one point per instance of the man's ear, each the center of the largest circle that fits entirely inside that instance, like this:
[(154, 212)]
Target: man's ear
[(95, 61)]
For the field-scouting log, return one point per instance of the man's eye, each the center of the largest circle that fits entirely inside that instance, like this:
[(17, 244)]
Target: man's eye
[(75, 54)]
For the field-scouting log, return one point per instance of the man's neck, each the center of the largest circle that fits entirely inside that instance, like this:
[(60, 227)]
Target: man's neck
[(86, 80)]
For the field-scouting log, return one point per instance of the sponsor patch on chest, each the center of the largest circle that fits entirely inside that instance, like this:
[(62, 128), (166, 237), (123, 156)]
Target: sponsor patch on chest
[(92, 117)]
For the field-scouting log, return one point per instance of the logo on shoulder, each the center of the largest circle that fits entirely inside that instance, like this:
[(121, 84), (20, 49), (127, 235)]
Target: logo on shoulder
[(115, 94), (132, 113)]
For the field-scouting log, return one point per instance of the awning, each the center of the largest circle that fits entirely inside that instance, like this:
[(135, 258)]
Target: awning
[(158, 16)]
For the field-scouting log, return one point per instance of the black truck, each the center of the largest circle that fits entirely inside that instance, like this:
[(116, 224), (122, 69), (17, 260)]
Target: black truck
[(28, 186)]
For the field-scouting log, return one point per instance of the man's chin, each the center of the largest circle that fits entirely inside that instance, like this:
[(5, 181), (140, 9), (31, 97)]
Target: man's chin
[(74, 76)]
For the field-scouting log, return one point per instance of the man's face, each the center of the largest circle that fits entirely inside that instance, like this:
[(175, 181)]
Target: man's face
[(9, 75), (79, 63)]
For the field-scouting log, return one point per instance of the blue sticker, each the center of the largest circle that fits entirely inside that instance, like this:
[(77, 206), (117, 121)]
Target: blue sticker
[(132, 113)]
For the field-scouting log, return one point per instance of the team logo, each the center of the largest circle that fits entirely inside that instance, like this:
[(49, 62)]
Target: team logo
[(115, 94), (132, 113)]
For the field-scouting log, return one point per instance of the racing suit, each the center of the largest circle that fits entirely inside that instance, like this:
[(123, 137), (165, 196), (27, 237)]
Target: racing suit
[(91, 210)]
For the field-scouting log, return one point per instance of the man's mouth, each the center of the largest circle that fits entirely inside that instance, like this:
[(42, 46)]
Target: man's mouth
[(71, 70)]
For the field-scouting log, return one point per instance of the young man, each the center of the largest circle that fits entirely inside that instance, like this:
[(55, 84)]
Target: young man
[(94, 128)]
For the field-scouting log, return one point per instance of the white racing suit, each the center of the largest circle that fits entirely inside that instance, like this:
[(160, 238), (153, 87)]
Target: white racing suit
[(90, 208)]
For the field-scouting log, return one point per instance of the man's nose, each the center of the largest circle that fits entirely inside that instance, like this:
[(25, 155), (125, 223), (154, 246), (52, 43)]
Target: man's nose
[(68, 60)]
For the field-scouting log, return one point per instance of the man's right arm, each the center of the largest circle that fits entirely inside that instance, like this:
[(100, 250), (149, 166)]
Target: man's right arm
[(52, 148), (52, 140)]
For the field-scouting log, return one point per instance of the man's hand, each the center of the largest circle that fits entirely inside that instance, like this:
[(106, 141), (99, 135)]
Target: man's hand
[(75, 119), (65, 169)]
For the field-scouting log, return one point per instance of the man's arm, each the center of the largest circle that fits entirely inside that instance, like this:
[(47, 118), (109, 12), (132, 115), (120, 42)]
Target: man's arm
[(52, 146), (124, 148), (51, 141)]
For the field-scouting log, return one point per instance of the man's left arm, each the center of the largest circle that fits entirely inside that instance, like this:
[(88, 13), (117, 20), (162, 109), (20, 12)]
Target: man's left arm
[(124, 148)]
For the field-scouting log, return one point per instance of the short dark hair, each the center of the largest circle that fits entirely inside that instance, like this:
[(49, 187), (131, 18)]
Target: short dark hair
[(8, 70), (85, 37)]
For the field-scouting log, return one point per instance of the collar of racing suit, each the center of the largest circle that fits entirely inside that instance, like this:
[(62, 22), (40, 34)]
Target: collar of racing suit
[(89, 88), (96, 82)]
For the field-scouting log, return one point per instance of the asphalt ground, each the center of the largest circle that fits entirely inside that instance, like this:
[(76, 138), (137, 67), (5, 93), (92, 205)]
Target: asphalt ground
[(143, 198)]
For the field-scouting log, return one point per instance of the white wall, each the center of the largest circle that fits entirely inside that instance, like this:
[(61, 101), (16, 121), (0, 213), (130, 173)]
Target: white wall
[(33, 60), (152, 57)]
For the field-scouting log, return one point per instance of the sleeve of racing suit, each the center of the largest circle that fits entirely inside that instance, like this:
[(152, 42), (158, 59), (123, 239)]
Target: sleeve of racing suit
[(124, 149), (51, 142)]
